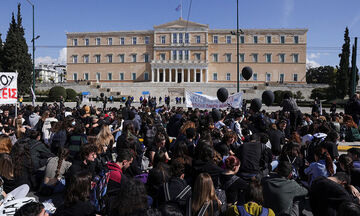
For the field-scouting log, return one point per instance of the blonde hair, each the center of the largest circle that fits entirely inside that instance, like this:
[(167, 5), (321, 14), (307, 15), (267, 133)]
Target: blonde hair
[(5, 144), (104, 139)]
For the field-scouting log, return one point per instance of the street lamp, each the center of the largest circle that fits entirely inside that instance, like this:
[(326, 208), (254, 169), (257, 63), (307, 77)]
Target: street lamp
[(237, 33)]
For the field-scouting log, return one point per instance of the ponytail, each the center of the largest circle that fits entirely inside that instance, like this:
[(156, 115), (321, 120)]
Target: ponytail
[(328, 162), (62, 155)]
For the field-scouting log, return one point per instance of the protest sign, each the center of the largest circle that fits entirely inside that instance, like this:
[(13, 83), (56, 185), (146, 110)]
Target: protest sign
[(202, 101), (8, 87)]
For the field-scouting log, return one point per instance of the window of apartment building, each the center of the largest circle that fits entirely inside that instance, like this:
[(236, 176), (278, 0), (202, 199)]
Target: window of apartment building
[(163, 39), (181, 55), (98, 41), (215, 57), (187, 38), (241, 57), (228, 76), (122, 58), (86, 58), (97, 58), (147, 39), (86, 76), (134, 40), (110, 41), (215, 77), (109, 76), (133, 76), (174, 55), (255, 39), (268, 57), (281, 78), (122, 41), (228, 57), (268, 77), (281, 57), (282, 39), (146, 76), (75, 76), (174, 38), (228, 39), (255, 57), (162, 56), (181, 39), (133, 57), (87, 42), (98, 76), (198, 39), (295, 78), (255, 78), (75, 59), (121, 76), (215, 39), (186, 54), (146, 57), (241, 77), (197, 56), (296, 58), (109, 58), (268, 39), (296, 39), (242, 39), (75, 42)]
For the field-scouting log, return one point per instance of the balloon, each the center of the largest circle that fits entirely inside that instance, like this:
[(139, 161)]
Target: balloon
[(268, 97), (247, 72), (216, 115), (256, 104), (222, 94), (101, 94)]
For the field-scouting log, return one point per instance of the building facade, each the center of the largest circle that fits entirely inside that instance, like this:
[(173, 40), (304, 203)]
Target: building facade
[(183, 51), (50, 73)]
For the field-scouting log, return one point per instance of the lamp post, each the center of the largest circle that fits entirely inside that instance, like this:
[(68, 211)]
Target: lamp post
[(237, 33)]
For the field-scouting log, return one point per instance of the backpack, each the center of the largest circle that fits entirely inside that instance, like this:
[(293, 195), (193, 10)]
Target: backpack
[(11, 204), (310, 151), (149, 135), (98, 191), (243, 212), (178, 197)]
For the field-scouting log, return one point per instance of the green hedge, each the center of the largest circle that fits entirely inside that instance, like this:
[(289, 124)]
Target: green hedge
[(56, 92), (71, 94)]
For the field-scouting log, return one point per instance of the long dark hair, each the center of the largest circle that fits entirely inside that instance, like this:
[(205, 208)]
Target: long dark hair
[(79, 188), (20, 154), (323, 154), (63, 153), (347, 162)]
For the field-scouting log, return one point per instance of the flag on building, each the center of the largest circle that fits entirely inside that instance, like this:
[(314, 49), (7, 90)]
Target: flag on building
[(178, 8)]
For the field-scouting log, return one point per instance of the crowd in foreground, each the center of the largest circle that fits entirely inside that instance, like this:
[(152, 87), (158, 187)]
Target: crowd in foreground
[(175, 161)]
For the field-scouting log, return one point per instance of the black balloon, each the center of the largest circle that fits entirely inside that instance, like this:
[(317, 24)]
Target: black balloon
[(256, 104), (268, 97), (216, 115), (101, 94), (247, 72), (222, 94)]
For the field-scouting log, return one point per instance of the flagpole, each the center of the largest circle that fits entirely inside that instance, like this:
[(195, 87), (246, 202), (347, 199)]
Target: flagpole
[(180, 9)]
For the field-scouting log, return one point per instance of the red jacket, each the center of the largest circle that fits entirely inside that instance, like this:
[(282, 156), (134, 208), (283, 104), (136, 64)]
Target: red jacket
[(115, 172)]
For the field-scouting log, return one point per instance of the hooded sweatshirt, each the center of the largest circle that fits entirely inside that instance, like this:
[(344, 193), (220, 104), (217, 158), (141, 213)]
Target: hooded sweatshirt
[(116, 178)]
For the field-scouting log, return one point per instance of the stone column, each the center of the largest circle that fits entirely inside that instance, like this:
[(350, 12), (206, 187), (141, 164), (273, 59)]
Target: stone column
[(152, 75), (170, 75), (188, 75), (201, 75), (176, 75), (206, 75), (164, 74), (182, 75), (158, 75), (194, 75)]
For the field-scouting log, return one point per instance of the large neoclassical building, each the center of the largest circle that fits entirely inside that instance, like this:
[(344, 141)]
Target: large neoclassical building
[(184, 51)]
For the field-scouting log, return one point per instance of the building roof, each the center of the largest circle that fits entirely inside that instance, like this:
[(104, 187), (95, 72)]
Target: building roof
[(263, 31), (180, 23)]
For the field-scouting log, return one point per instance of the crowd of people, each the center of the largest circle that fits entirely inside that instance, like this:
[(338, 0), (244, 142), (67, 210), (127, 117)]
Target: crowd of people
[(179, 161)]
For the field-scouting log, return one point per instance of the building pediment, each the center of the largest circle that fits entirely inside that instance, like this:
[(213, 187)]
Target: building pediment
[(181, 24)]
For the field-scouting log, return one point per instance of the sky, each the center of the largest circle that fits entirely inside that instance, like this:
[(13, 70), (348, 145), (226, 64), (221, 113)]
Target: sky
[(325, 20)]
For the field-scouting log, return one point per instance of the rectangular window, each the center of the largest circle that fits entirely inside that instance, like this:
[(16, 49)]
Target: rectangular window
[(282, 76), (255, 39), (228, 57), (268, 39), (187, 38), (282, 39), (268, 77), (87, 42), (109, 41), (215, 39), (255, 57), (228, 39), (97, 58), (186, 54), (75, 42), (98, 76), (146, 76), (296, 58), (197, 56), (215, 76), (133, 75), (241, 57), (109, 76), (86, 58), (133, 57), (146, 58), (86, 76), (242, 39), (174, 38), (147, 39), (282, 58), (162, 56), (109, 58), (121, 76), (228, 76), (180, 54), (181, 38), (98, 41), (255, 77), (122, 41), (215, 57), (241, 77), (163, 39), (296, 39), (295, 77), (122, 58), (134, 40), (75, 59), (198, 39), (75, 76), (268, 57), (174, 55)]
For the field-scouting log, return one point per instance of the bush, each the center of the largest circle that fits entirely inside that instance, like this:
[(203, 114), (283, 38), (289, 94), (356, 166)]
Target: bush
[(71, 94), (56, 92), (279, 95), (321, 93)]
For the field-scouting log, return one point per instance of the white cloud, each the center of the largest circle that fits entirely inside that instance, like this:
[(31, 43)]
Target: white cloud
[(314, 55), (355, 20), (311, 63), (61, 59), (288, 10)]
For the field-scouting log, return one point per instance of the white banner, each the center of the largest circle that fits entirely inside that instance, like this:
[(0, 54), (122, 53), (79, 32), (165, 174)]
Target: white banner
[(8, 87), (196, 100)]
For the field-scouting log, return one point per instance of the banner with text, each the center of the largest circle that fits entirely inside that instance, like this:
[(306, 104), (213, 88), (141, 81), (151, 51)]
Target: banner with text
[(196, 100), (8, 87)]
